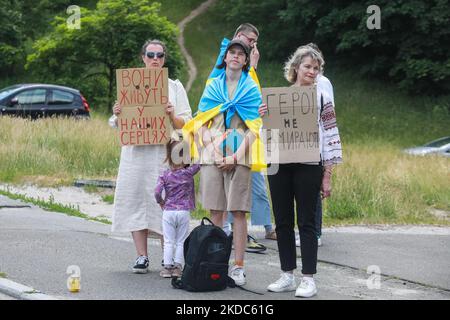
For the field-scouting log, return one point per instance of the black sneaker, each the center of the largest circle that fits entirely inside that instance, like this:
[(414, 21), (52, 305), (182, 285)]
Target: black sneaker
[(141, 265), (254, 246)]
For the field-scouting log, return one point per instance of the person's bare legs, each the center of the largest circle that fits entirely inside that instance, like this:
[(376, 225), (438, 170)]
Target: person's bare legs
[(239, 231), (140, 241), (236, 272), (239, 235), (224, 218), (217, 217)]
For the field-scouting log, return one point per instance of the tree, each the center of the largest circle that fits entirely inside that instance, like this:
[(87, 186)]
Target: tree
[(11, 36), (110, 37), (411, 47), (38, 14)]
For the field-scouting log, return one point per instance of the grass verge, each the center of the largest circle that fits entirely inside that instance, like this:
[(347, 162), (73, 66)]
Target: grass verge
[(55, 151), (53, 206), (108, 198)]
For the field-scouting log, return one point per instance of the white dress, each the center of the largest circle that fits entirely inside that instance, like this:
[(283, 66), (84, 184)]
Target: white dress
[(135, 207)]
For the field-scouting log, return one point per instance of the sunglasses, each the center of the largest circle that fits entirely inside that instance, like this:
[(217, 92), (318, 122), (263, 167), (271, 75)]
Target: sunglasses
[(152, 55), (251, 41)]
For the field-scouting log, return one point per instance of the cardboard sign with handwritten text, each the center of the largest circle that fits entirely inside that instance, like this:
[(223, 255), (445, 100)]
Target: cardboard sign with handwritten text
[(143, 95), (291, 124), (142, 86), (144, 125)]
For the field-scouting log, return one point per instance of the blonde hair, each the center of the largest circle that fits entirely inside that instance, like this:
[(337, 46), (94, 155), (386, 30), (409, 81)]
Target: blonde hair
[(315, 47), (291, 66), (246, 28)]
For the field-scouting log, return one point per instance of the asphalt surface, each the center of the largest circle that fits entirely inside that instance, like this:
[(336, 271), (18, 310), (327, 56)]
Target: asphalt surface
[(420, 258), (37, 247)]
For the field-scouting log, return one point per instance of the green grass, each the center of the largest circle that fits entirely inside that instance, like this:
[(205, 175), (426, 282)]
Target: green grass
[(202, 39), (379, 184), (176, 10), (199, 211), (56, 150), (372, 110), (108, 198), (51, 205)]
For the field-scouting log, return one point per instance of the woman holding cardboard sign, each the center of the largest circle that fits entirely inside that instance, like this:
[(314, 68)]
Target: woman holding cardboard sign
[(135, 210), (299, 184)]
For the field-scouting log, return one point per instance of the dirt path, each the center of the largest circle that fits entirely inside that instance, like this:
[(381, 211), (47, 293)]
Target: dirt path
[(192, 69)]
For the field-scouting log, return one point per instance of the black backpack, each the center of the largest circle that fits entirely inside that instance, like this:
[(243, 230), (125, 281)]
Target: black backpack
[(207, 250)]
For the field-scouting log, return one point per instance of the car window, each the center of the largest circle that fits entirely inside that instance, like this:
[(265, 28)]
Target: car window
[(438, 143), (60, 97), (6, 91), (35, 96)]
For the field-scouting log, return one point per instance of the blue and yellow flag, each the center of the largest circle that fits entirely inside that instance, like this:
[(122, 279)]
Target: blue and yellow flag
[(245, 103)]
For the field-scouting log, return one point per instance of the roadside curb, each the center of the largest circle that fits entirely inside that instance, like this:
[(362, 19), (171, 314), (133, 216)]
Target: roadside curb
[(96, 183), (22, 292)]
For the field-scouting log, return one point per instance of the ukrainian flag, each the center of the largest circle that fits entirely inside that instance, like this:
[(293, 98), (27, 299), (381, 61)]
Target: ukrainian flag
[(245, 103)]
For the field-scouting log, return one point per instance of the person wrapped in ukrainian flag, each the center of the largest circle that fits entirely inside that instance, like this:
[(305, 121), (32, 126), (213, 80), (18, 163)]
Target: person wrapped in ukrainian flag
[(235, 96), (226, 130)]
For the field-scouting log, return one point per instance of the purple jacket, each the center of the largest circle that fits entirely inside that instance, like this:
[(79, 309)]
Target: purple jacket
[(179, 188)]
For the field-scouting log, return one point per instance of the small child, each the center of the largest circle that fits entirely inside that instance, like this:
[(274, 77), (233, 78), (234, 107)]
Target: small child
[(178, 184)]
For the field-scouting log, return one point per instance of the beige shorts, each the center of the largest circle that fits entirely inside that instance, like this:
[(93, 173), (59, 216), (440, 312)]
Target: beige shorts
[(225, 190)]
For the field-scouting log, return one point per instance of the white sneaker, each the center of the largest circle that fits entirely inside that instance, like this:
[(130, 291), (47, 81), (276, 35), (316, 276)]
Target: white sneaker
[(297, 240), (284, 284), (237, 273), (319, 242), (307, 288)]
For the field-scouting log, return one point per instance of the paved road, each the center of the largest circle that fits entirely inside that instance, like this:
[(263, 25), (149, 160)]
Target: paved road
[(5, 297), (37, 247)]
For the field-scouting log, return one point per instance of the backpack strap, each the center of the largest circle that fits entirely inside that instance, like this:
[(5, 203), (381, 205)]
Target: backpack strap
[(207, 219), (177, 283), (232, 284)]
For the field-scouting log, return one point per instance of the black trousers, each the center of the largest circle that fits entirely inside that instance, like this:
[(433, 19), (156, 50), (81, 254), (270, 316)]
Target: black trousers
[(300, 183)]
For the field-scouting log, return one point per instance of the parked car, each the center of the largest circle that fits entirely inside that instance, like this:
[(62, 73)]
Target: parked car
[(42, 100), (439, 147)]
